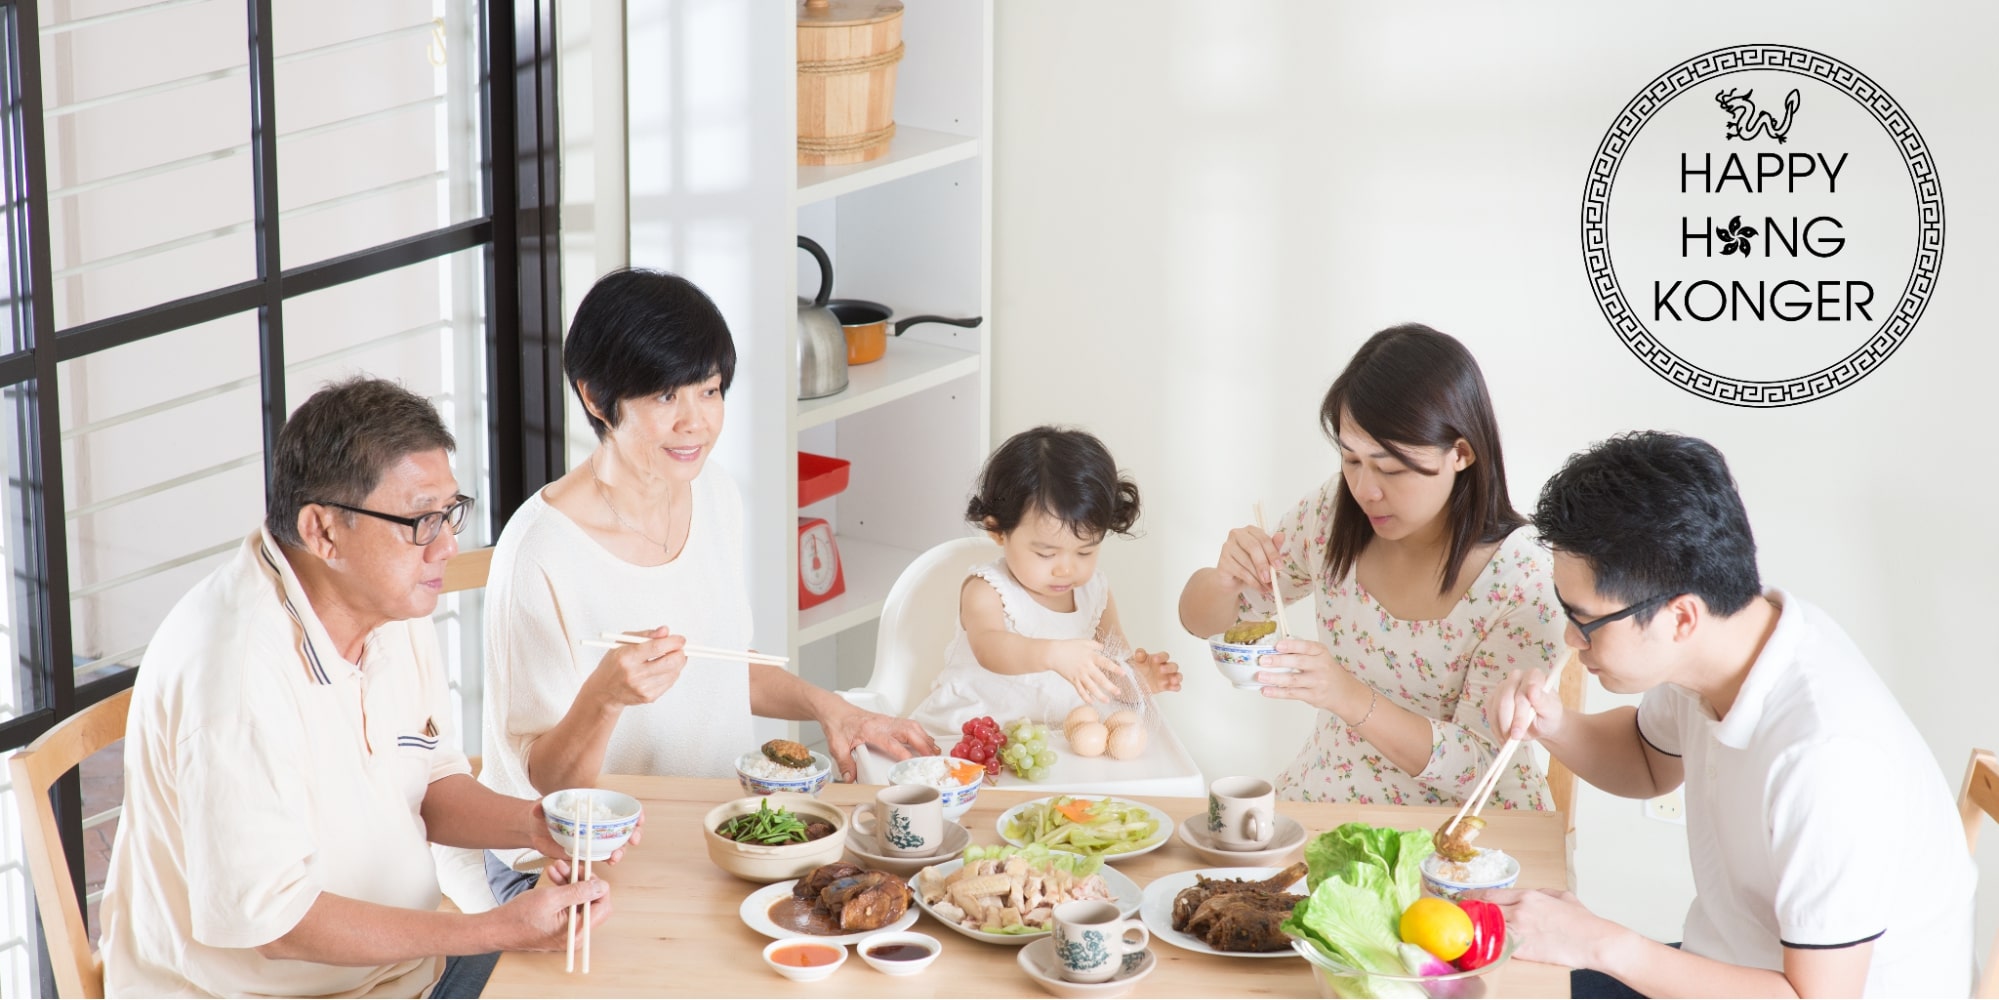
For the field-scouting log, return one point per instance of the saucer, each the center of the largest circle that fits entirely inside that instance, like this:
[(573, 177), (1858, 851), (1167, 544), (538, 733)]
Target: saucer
[(1038, 961), (1287, 841), (868, 849)]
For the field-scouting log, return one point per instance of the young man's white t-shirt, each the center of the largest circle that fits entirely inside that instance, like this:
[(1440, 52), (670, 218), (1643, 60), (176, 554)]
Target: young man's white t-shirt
[(1817, 816)]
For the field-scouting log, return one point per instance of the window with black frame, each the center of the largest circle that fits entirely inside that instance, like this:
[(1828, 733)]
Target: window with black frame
[(198, 235)]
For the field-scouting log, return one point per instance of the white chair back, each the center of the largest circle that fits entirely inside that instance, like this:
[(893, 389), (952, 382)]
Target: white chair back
[(918, 620)]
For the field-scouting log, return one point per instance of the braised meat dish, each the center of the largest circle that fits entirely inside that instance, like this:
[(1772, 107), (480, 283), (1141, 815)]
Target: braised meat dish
[(856, 899), (1231, 914)]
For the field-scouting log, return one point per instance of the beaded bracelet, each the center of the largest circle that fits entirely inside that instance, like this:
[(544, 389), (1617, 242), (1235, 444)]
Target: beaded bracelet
[(1374, 698)]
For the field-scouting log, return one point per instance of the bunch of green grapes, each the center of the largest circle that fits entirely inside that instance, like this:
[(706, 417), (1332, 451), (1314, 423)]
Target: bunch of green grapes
[(1027, 753)]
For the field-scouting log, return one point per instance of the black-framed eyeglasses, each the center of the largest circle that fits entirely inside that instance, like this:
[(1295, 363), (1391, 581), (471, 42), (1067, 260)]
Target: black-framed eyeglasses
[(1585, 628), (424, 528)]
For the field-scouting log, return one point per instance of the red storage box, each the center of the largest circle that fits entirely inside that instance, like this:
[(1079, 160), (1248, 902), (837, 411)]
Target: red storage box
[(820, 476)]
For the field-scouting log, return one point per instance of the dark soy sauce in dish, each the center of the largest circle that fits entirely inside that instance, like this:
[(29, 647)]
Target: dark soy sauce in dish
[(899, 952)]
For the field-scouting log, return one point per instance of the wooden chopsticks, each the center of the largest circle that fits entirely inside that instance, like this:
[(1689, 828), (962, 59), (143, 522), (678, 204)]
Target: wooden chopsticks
[(582, 827), (613, 640), (1490, 779), (1276, 595)]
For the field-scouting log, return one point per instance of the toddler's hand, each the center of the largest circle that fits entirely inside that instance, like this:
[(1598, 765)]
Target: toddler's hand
[(1157, 670), (1083, 664)]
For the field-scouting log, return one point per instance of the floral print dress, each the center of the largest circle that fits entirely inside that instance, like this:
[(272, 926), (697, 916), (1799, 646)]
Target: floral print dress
[(1442, 669)]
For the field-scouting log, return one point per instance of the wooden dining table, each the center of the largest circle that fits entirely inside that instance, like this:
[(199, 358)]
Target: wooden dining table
[(674, 929)]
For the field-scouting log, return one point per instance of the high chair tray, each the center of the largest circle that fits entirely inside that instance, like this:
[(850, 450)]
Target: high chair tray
[(1165, 768)]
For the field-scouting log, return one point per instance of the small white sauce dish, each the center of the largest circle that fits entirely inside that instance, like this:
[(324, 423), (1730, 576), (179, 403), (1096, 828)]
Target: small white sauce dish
[(803, 973), (899, 967)]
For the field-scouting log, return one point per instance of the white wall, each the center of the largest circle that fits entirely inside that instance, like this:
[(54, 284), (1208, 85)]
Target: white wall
[(1201, 212)]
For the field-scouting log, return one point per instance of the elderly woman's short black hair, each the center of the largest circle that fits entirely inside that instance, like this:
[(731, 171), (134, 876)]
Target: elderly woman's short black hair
[(644, 333)]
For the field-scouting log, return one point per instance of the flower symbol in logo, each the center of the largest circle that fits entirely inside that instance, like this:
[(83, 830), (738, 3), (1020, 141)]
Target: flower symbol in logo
[(1214, 814), (1735, 238)]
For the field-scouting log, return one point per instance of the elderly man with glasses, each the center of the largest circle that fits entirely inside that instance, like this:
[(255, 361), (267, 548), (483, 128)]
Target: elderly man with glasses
[(292, 749), (1827, 853)]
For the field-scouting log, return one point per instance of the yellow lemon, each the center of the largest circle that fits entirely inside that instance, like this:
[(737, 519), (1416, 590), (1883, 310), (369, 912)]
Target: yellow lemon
[(1438, 927)]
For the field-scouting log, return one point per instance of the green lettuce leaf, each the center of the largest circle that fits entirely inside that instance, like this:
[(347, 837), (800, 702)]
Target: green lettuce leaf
[(1361, 878), (1345, 851)]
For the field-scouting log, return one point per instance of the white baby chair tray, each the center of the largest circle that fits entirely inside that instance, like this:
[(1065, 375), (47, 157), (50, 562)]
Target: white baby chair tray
[(1163, 768)]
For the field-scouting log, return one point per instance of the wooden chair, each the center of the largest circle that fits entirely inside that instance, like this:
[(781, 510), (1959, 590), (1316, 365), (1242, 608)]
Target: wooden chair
[(1561, 780), (1978, 799), (468, 569), (79, 970)]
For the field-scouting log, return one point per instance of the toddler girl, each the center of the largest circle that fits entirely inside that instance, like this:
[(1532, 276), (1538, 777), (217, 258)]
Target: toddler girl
[(1034, 625)]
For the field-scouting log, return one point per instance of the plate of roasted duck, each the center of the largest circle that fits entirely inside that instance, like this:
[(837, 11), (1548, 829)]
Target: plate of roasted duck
[(838, 903), (1232, 912), (1008, 895)]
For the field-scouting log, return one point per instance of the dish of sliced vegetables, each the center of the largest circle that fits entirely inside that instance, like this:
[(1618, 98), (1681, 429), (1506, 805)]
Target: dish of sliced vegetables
[(1087, 825)]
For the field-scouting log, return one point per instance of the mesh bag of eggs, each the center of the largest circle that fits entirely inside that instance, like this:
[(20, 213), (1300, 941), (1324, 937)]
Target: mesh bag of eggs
[(1121, 734)]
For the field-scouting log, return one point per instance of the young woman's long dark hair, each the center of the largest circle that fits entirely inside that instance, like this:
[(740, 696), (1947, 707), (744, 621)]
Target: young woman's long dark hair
[(1411, 386)]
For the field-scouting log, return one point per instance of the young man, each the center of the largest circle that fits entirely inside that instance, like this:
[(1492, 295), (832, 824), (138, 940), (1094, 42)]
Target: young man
[(291, 752), (1828, 856)]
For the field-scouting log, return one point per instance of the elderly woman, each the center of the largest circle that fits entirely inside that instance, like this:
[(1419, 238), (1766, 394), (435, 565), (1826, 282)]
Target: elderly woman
[(646, 532)]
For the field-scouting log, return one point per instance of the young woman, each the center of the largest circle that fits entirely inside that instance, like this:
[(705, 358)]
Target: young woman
[(1428, 588)]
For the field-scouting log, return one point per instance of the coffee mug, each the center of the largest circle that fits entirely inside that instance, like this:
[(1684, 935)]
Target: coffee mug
[(1242, 813), (909, 818), (1092, 938)]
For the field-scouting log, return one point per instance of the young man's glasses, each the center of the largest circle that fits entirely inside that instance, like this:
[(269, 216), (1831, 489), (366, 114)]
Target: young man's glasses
[(1585, 628), (424, 528)]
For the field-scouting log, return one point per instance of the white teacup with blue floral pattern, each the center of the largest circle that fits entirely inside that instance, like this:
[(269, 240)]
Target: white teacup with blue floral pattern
[(907, 820), (1092, 938)]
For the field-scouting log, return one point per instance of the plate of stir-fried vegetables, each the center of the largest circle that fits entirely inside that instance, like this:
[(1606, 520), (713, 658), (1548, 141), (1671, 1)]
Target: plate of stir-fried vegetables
[(1092, 827)]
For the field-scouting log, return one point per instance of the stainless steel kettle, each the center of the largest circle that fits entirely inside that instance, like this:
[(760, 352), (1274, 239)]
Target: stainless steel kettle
[(822, 343)]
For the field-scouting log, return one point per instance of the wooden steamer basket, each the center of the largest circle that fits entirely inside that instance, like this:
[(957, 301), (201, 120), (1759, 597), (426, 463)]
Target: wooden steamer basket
[(847, 52)]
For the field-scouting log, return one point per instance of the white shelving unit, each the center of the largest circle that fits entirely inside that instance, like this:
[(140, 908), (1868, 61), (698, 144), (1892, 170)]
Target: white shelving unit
[(913, 230), (715, 193)]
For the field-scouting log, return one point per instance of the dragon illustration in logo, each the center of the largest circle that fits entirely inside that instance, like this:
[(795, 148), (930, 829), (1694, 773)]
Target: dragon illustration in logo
[(1747, 121)]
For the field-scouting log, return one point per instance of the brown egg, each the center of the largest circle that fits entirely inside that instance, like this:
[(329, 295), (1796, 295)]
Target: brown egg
[(1126, 717), (1126, 742), (1088, 739), (1077, 717)]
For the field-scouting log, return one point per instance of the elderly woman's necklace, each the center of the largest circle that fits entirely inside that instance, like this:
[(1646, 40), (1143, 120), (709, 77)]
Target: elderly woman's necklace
[(605, 494)]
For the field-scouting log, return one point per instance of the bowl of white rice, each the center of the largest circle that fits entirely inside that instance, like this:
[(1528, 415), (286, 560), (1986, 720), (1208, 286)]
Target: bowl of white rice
[(1491, 869), (936, 772), (762, 776)]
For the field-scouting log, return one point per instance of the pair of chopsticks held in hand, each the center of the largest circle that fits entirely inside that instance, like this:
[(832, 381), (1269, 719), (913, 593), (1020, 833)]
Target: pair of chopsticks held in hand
[(613, 640), (586, 830), (1490, 779)]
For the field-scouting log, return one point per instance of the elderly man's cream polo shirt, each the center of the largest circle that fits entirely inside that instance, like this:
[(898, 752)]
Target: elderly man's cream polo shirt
[(262, 769), (1817, 816)]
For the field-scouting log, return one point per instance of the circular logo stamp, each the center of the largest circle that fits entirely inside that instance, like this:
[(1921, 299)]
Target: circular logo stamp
[(1762, 225)]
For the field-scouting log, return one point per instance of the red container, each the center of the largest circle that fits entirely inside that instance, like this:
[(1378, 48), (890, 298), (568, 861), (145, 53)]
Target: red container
[(820, 476)]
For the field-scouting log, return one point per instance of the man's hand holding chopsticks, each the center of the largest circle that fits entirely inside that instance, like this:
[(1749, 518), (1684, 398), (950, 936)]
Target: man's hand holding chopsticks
[(538, 919)]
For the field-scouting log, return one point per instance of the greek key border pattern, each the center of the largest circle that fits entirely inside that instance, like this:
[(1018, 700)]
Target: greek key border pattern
[(1660, 358)]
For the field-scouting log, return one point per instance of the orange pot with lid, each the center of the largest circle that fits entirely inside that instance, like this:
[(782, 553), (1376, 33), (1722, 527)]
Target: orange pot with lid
[(847, 54)]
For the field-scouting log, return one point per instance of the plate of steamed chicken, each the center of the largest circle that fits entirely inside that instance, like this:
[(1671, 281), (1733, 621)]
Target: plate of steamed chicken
[(1232, 912), (838, 903), (1008, 895)]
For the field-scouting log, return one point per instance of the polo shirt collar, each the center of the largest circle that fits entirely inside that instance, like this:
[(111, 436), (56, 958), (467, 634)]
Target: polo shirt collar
[(321, 658), (1777, 659)]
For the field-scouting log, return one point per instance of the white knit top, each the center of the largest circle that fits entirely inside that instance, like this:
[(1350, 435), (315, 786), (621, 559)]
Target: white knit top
[(552, 586)]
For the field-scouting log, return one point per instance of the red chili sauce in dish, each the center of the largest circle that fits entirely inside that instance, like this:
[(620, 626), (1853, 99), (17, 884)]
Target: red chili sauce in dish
[(805, 955)]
